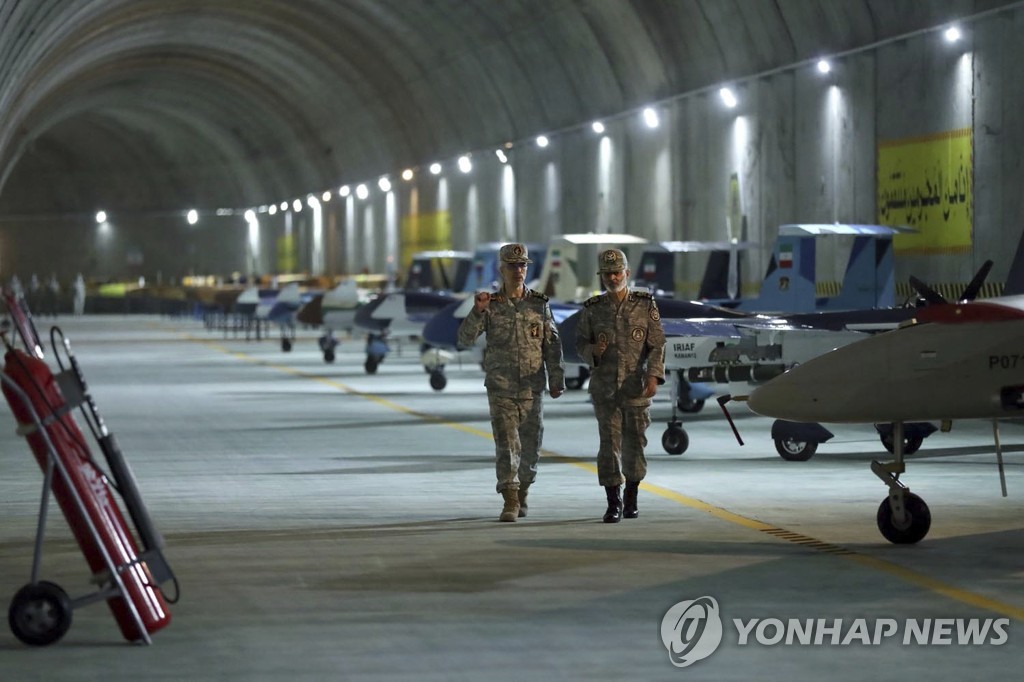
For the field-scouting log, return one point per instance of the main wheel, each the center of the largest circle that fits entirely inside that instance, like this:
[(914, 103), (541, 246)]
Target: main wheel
[(329, 355), (793, 450), (371, 364), (40, 613), (914, 527), (286, 345), (438, 380), (911, 444), (674, 440)]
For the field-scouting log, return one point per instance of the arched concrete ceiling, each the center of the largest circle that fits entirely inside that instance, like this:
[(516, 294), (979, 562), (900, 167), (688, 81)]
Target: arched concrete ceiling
[(160, 104)]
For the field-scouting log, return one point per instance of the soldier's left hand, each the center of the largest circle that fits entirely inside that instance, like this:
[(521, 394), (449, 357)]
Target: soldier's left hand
[(651, 387)]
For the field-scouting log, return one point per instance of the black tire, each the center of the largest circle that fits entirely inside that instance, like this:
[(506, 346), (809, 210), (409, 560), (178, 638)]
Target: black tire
[(438, 381), (286, 345), (793, 450), (911, 444), (691, 406), (40, 614), (329, 355), (371, 364), (919, 520), (674, 440)]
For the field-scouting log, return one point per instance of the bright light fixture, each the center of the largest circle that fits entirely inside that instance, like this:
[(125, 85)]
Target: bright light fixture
[(272, 210), (344, 191), (952, 34), (407, 174), (384, 184), (362, 192), (284, 206), (435, 168), (651, 117), (192, 216), (597, 127), (465, 165), (728, 97), (542, 141), (501, 155), (297, 205), (101, 216), (326, 196), (824, 66)]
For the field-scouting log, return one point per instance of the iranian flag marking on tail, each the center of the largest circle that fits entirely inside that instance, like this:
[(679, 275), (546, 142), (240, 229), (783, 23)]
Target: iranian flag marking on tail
[(785, 255)]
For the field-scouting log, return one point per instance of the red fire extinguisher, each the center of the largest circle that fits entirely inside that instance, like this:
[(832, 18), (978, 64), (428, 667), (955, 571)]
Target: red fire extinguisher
[(108, 534)]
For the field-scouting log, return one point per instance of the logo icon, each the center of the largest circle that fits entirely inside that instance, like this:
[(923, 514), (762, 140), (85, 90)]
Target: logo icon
[(691, 630)]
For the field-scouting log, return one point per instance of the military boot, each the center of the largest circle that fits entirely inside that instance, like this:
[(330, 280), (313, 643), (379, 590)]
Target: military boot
[(629, 510), (510, 512), (614, 513), (523, 492)]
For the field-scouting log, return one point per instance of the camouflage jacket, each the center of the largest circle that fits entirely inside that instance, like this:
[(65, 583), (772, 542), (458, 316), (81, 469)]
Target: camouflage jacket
[(636, 345), (522, 341)]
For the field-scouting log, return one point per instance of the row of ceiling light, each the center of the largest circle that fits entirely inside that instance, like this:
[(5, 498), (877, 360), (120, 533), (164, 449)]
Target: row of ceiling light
[(649, 115)]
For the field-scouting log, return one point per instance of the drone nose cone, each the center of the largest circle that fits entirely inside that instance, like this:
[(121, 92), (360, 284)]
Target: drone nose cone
[(770, 399)]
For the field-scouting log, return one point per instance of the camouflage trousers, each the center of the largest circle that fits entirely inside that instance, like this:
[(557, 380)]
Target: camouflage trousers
[(518, 428), (623, 433)]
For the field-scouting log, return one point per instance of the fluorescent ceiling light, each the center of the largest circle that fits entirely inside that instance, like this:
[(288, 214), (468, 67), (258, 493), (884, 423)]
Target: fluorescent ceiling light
[(728, 97), (597, 127), (101, 216)]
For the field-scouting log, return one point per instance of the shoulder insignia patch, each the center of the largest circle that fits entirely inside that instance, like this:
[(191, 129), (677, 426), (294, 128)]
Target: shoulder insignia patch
[(591, 301), (642, 293), (497, 297), (537, 294), (655, 315)]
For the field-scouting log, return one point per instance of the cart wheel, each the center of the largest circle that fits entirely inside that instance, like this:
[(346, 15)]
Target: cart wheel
[(40, 613)]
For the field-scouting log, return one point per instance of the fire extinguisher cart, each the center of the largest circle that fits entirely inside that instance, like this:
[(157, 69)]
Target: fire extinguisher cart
[(128, 580)]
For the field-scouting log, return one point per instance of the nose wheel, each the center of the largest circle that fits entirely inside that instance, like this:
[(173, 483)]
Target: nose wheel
[(903, 517), (674, 440), (907, 527)]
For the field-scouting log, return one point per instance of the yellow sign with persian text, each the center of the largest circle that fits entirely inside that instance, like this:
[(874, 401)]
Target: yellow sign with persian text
[(425, 232), (926, 183)]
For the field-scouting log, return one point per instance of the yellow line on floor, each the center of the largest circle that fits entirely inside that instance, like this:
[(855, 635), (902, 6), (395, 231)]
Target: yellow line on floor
[(909, 575)]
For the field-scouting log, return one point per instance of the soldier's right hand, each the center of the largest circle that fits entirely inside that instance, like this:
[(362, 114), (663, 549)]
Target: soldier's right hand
[(481, 301), (599, 348)]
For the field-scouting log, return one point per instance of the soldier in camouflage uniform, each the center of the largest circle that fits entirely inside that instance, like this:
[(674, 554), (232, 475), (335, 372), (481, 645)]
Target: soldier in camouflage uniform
[(621, 338), (522, 342)]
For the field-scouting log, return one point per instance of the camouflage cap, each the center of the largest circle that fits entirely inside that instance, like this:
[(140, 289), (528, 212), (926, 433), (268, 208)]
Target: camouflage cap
[(514, 253), (611, 260)]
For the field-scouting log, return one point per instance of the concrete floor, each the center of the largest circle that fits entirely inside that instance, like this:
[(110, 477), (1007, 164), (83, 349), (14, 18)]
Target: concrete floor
[(329, 525)]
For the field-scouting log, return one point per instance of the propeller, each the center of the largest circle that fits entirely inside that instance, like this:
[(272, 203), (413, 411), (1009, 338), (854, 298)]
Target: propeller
[(969, 293)]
